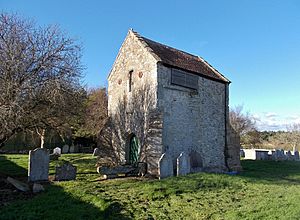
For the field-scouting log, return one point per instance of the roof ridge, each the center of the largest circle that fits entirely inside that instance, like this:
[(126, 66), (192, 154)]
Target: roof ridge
[(173, 48), (170, 47)]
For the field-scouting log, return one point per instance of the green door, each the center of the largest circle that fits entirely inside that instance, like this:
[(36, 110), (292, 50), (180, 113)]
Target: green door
[(134, 150)]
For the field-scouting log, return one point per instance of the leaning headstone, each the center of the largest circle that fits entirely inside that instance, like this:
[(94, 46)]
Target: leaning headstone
[(165, 166), (96, 152), (38, 165), (72, 149), (296, 155), (57, 151), (183, 164), (65, 149), (65, 172), (18, 184)]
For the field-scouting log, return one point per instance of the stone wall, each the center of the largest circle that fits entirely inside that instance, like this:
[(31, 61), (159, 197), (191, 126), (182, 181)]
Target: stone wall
[(134, 112), (232, 151), (134, 57), (193, 120)]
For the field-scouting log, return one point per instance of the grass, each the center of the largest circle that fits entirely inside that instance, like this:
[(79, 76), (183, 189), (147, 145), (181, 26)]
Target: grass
[(265, 190)]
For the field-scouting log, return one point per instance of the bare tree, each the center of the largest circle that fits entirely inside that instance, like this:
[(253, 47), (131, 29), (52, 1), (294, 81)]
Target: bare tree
[(241, 122), (294, 135), (40, 73)]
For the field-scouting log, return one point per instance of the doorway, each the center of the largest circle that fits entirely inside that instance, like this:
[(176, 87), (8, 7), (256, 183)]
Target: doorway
[(134, 149)]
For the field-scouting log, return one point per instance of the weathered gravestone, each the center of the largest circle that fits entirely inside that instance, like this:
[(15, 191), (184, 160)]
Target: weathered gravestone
[(65, 149), (289, 155), (183, 164), (296, 155), (18, 184), (36, 188), (276, 155), (38, 165), (96, 152), (65, 172), (165, 166), (72, 149), (57, 151), (282, 155), (76, 148)]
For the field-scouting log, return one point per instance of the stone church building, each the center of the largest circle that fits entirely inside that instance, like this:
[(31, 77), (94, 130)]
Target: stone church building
[(164, 101)]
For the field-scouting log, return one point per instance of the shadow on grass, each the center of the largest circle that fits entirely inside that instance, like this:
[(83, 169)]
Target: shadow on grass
[(266, 172), (9, 168), (55, 203), (273, 172)]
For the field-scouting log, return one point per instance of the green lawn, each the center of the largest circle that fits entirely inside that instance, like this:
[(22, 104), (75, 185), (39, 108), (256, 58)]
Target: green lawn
[(265, 190)]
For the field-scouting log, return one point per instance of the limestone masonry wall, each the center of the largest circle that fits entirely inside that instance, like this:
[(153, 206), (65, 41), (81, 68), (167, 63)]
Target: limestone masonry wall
[(194, 121), (134, 112)]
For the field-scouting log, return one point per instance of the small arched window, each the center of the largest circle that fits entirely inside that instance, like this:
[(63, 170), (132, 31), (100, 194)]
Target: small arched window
[(130, 80)]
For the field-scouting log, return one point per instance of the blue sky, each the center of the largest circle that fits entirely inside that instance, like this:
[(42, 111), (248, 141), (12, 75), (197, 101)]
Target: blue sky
[(256, 44)]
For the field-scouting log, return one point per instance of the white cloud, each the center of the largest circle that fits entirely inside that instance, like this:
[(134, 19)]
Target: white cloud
[(272, 121), (270, 114)]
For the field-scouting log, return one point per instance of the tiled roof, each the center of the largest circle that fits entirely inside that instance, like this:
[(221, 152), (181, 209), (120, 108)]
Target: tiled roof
[(180, 59)]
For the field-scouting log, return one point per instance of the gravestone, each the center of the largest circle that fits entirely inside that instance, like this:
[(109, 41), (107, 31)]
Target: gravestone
[(289, 155), (274, 155), (72, 149), (96, 152), (76, 148), (296, 155), (65, 172), (57, 151), (38, 165), (165, 166), (277, 155), (18, 184), (65, 149), (242, 153), (36, 188), (183, 164), (283, 155)]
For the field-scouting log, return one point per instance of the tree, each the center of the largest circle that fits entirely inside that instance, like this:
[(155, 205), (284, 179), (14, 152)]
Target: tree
[(294, 135), (40, 71), (252, 139), (241, 122), (244, 125), (94, 115)]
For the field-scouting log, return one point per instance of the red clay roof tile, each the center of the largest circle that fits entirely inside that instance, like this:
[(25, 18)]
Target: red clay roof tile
[(180, 59)]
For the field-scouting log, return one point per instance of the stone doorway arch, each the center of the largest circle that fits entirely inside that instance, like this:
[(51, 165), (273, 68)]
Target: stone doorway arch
[(133, 149)]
